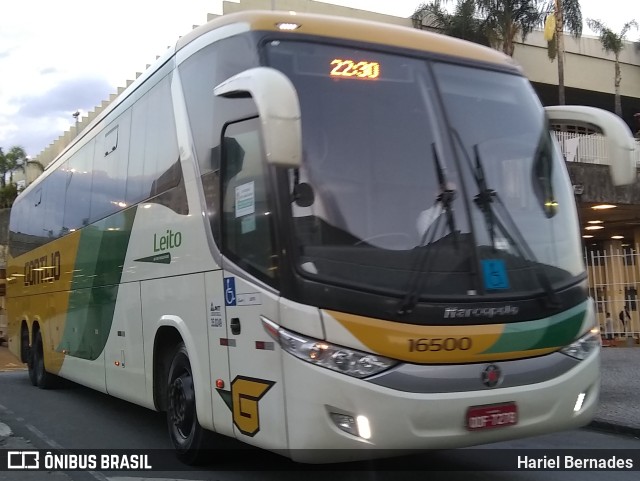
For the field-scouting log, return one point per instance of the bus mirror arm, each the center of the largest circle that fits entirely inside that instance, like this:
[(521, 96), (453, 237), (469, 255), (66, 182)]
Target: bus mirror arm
[(279, 109), (620, 142)]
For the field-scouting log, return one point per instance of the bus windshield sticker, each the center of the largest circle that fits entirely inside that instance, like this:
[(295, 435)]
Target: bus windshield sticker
[(248, 224), (494, 274), (249, 299), (215, 314), (245, 199)]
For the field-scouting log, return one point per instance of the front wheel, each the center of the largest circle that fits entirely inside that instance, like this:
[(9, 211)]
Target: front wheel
[(189, 439)]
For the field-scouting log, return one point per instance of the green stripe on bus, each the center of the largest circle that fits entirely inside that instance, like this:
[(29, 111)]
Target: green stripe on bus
[(555, 331), (94, 289)]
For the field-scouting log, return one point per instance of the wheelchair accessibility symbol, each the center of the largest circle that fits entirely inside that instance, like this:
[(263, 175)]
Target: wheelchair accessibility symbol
[(229, 291)]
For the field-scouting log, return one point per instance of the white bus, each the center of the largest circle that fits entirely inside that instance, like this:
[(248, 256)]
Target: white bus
[(309, 232)]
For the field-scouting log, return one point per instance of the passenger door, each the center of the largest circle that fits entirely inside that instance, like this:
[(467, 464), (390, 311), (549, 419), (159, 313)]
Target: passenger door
[(250, 288)]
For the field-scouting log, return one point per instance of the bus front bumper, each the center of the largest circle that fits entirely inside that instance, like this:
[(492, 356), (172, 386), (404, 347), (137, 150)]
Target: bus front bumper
[(318, 400)]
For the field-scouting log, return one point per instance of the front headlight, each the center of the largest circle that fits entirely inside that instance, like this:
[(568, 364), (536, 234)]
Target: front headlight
[(584, 346), (337, 358)]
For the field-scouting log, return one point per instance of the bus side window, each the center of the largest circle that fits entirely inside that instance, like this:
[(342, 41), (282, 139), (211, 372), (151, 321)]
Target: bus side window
[(247, 223)]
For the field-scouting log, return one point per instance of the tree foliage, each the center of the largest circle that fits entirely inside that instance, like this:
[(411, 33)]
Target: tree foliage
[(495, 23), (568, 15), (13, 159), (509, 19), (8, 194), (464, 22), (613, 43)]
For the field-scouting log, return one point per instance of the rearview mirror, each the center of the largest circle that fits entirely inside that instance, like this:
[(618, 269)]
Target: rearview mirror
[(620, 142), (278, 107)]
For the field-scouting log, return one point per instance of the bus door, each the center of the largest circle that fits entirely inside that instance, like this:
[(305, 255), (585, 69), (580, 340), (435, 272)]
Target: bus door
[(250, 289)]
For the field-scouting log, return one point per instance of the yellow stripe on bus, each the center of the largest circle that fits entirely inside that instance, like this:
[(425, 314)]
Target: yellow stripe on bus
[(38, 288), (430, 344)]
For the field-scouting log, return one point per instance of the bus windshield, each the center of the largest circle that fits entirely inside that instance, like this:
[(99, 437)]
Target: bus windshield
[(430, 178)]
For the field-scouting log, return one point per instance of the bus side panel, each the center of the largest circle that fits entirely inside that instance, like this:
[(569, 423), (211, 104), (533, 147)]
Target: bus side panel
[(87, 372), (179, 303), (218, 354), (38, 287), (124, 351), (257, 382)]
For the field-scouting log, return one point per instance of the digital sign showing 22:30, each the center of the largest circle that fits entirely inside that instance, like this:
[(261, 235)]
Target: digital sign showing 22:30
[(353, 69)]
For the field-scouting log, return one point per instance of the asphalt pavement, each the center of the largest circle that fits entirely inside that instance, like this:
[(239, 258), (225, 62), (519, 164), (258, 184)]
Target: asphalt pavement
[(619, 409)]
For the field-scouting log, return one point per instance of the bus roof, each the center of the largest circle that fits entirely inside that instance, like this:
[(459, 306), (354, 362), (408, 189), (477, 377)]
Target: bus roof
[(353, 29)]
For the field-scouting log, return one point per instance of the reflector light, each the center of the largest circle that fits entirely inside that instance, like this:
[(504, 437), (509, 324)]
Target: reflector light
[(288, 26)]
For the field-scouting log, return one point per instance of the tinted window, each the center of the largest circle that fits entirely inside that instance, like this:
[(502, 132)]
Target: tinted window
[(247, 217), (207, 113), (110, 169), (154, 146), (54, 187), (78, 195)]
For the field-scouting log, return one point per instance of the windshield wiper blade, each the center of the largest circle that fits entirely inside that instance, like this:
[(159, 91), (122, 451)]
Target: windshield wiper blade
[(484, 197), (485, 201), (445, 199), (447, 194)]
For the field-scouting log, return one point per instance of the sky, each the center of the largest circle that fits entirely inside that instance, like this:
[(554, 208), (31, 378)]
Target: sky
[(57, 57)]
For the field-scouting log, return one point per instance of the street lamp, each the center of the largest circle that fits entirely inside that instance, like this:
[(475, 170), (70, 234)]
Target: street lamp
[(76, 114)]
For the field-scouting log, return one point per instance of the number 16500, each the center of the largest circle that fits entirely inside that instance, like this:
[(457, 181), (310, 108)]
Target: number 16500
[(440, 344)]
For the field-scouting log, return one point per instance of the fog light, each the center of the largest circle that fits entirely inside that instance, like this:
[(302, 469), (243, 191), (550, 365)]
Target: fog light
[(363, 427), (345, 422), (579, 402)]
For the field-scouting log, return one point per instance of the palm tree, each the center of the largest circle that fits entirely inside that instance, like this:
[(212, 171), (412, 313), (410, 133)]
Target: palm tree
[(506, 19), (14, 158), (568, 16), (613, 42), (463, 23)]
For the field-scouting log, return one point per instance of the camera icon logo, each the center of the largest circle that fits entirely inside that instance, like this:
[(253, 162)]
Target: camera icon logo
[(23, 460)]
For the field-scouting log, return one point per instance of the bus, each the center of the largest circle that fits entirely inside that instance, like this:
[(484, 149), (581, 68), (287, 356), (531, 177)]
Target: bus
[(324, 237)]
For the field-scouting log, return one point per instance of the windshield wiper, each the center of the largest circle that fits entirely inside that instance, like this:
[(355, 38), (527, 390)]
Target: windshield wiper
[(484, 198), (485, 201), (447, 194), (444, 199)]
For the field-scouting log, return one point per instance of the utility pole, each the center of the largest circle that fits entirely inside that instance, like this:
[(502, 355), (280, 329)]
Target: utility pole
[(560, 50)]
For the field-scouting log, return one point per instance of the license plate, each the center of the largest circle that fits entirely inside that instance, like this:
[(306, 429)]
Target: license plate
[(492, 416)]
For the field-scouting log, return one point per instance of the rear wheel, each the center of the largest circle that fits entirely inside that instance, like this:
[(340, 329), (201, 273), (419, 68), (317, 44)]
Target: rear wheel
[(189, 439), (27, 355), (43, 379)]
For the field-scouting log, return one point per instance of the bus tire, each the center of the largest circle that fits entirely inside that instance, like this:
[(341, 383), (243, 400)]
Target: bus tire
[(189, 439), (43, 379), (27, 353), (32, 369)]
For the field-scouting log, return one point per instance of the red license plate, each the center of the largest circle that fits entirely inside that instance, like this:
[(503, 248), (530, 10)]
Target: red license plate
[(492, 416)]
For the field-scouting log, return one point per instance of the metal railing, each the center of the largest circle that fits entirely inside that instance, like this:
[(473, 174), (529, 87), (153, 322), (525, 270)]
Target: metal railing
[(614, 283), (589, 149)]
